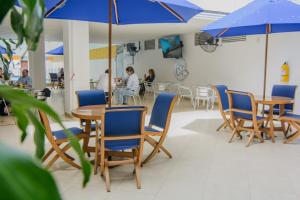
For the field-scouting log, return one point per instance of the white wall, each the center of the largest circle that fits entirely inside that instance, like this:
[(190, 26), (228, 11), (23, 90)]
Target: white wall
[(98, 67), (239, 65)]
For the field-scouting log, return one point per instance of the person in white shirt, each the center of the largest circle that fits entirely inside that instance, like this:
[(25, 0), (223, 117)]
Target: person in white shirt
[(103, 82), (132, 87)]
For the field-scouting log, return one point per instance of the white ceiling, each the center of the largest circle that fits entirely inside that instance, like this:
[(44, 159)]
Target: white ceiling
[(98, 32)]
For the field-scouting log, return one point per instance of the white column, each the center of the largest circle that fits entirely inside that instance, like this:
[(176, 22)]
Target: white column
[(76, 61), (37, 65)]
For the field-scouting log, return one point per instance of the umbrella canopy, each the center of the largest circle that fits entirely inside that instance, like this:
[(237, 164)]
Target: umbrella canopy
[(259, 17), (3, 50), (57, 51), (122, 12), (126, 12)]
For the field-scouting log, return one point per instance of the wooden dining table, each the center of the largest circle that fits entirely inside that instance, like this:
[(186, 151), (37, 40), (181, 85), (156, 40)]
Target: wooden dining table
[(89, 114), (271, 101)]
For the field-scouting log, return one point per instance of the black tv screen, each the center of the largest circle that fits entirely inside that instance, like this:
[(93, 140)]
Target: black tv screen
[(171, 46)]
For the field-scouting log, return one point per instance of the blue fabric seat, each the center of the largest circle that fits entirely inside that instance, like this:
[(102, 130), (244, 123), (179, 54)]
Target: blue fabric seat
[(247, 116), (223, 105), (60, 135), (91, 97), (283, 91), (221, 89), (292, 116), (121, 122)]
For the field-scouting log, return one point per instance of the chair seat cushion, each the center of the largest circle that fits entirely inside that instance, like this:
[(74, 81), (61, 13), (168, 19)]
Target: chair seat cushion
[(149, 129), (291, 116), (59, 135), (276, 111), (247, 116), (120, 145)]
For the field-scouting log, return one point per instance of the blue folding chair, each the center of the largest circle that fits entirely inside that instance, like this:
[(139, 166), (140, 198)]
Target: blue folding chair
[(294, 121), (90, 98), (283, 91), (160, 123), (57, 139), (122, 136), (223, 105), (242, 108)]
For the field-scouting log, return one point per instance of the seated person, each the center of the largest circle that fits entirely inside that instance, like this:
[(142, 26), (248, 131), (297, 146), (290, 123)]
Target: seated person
[(132, 86), (148, 79), (25, 80), (61, 77), (103, 83)]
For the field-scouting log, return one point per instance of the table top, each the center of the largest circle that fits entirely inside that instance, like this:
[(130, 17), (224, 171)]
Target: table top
[(89, 112), (272, 100)]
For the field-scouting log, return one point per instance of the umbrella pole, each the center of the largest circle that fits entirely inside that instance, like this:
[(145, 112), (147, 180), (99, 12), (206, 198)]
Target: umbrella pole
[(266, 64), (110, 53)]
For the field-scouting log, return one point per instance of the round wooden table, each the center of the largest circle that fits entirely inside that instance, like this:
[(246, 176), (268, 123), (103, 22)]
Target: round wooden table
[(89, 114), (271, 101)]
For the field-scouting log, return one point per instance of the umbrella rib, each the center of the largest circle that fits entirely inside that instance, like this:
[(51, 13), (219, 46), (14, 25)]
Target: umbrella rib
[(222, 33), (116, 11), (171, 11), (58, 5)]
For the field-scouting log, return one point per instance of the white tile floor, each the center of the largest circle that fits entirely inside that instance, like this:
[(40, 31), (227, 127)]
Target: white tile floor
[(205, 166)]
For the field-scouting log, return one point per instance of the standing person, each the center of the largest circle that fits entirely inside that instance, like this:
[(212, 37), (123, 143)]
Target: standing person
[(103, 83), (25, 79), (132, 86)]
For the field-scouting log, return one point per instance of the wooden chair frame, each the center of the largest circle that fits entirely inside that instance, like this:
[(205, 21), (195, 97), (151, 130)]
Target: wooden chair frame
[(292, 122), (158, 144), (57, 143), (225, 114), (238, 123), (134, 157)]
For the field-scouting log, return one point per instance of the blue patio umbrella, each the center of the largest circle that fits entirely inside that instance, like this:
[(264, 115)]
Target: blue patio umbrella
[(4, 51), (121, 12), (59, 51), (259, 17)]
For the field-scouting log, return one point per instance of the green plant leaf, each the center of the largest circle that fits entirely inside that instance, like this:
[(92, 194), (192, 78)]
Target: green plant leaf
[(17, 23), (6, 5), (22, 178), (22, 120), (17, 97), (39, 135)]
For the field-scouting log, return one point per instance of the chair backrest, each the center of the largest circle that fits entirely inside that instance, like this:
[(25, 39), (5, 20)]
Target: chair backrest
[(203, 92), (162, 110), (182, 90), (53, 76), (91, 97), (285, 91), (46, 123), (242, 104), (222, 96), (124, 125)]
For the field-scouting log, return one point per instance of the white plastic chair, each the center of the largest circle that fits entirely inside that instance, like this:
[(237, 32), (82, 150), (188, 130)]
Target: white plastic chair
[(204, 94), (186, 92), (159, 88)]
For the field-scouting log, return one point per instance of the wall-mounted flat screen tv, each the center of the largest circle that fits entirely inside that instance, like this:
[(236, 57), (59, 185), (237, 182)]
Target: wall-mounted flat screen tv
[(171, 46)]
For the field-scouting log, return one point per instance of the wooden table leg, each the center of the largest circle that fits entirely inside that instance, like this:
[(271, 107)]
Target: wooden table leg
[(87, 139), (281, 112), (271, 120)]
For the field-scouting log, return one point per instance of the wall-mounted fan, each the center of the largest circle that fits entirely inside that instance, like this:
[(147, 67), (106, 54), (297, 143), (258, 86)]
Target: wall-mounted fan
[(207, 42)]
